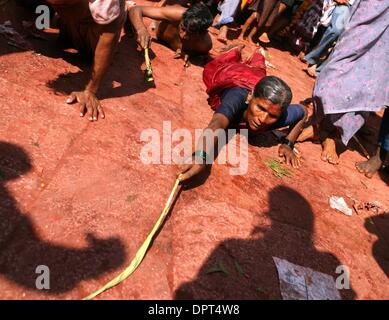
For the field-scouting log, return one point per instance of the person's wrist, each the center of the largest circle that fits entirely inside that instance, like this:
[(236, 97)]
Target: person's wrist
[(200, 155), (287, 142)]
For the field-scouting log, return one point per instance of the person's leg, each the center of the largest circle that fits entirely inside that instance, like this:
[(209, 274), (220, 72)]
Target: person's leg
[(281, 20), (253, 32), (371, 166), (339, 18), (266, 17), (328, 136), (247, 25)]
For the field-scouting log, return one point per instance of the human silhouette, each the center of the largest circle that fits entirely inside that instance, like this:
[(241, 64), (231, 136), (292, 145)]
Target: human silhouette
[(22, 250), (250, 272), (379, 225)]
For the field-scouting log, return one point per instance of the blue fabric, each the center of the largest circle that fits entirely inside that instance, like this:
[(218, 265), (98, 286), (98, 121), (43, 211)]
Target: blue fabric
[(339, 18), (233, 105), (384, 131), (227, 9)]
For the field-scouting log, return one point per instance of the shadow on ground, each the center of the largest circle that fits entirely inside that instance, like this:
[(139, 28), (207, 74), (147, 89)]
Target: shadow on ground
[(250, 272), (22, 250), (379, 225)]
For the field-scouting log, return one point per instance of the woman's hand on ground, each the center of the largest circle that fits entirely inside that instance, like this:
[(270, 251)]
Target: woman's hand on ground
[(289, 157), (88, 104)]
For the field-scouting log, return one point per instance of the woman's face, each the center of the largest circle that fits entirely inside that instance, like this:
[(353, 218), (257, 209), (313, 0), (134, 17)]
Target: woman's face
[(262, 113)]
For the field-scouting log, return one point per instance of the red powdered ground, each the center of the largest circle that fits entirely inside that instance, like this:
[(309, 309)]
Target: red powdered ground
[(76, 197)]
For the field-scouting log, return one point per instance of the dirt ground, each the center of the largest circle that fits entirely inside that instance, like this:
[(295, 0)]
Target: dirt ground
[(75, 196)]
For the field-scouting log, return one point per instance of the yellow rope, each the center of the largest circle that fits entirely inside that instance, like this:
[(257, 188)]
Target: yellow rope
[(141, 251)]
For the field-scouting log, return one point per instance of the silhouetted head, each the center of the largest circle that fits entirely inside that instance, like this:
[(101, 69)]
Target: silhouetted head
[(289, 207), (270, 97), (196, 20), (14, 161)]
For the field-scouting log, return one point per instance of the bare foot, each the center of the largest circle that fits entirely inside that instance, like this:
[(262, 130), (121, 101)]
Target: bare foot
[(222, 36), (329, 151), (301, 56), (252, 42), (311, 70), (264, 38), (307, 134), (369, 167)]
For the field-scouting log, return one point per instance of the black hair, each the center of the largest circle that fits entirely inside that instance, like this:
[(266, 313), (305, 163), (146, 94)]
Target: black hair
[(274, 89), (197, 19)]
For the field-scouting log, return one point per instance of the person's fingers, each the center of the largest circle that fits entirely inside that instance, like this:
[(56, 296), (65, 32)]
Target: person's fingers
[(360, 167), (94, 112), (144, 43), (295, 163), (90, 107), (183, 168), (72, 98), (188, 174), (100, 110), (369, 174), (82, 109), (289, 161)]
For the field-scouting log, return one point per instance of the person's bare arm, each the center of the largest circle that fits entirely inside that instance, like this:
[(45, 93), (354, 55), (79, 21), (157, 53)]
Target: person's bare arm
[(197, 165), (285, 151), (170, 13), (109, 36)]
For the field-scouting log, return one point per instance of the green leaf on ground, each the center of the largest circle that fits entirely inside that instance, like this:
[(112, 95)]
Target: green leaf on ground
[(219, 267), (279, 170), (239, 268)]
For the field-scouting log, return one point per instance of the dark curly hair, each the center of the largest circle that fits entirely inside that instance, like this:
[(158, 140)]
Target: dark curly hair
[(197, 19)]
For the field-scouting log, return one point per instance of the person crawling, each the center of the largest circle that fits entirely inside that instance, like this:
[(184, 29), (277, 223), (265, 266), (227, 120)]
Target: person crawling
[(181, 29), (93, 27), (243, 96)]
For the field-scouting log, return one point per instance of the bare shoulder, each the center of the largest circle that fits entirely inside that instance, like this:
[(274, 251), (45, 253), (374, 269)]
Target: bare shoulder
[(172, 14)]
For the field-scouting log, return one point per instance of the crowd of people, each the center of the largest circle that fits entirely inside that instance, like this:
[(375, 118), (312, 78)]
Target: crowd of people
[(344, 43)]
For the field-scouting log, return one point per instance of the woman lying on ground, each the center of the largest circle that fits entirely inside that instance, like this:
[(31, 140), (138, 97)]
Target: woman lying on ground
[(243, 96)]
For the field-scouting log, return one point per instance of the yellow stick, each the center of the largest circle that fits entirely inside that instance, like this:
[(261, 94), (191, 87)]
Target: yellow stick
[(142, 250), (149, 71)]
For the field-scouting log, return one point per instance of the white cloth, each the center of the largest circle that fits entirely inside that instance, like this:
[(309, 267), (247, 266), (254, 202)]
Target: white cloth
[(104, 11)]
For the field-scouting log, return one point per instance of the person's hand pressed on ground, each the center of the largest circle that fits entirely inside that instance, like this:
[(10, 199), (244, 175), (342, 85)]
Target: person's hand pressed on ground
[(285, 150), (288, 156), (108, 39), (88, 104)]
